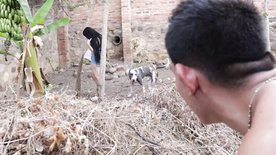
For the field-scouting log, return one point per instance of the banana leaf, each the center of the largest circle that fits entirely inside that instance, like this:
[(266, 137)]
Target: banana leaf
[(3, 52), (40, 15), (27, 11), (54, 26), (20, 45)]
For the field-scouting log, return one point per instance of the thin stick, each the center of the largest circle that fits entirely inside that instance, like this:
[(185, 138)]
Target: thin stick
[(144, 138)]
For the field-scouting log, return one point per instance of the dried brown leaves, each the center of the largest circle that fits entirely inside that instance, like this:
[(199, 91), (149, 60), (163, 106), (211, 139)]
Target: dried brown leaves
[(159, 123)]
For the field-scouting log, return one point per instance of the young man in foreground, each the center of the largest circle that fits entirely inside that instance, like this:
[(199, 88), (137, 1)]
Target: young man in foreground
[(223, 70)]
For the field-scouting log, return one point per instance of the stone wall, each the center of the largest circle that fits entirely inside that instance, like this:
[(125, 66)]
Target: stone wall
[(139, 26), (48, 55), (273, 34), (149, 25), (8, 69), (80, 14), (272, 19)]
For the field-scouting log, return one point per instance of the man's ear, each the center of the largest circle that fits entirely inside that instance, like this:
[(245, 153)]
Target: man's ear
[(188, 76)]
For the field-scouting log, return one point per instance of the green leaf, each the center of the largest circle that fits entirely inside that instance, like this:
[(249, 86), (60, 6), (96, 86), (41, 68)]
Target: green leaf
[(54, 26), (40, 15), (4, 35), (3, 52), (265, 14), (48, 87), (20, 45), (26, 9)]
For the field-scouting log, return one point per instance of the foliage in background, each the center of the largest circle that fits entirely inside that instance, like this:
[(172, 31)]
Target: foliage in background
[(17, 15)]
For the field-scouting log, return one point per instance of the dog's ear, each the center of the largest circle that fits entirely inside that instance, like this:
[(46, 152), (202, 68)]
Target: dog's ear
[(127, 71)]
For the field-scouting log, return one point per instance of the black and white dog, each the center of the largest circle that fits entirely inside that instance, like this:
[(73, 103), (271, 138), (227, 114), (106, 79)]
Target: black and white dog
[(138, 74)]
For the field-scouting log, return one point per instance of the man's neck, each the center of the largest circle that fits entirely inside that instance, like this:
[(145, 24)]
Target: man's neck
[(233, 108), (238, 102)]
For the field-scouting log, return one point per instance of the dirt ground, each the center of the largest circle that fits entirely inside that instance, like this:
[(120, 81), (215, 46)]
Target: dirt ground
[(158, 122), (65, 80)]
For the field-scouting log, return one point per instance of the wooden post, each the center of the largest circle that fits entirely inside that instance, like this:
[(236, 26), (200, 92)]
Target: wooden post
[(78, 81), (103, 52)]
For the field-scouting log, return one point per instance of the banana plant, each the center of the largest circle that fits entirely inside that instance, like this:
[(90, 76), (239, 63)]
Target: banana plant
[(16, 25)]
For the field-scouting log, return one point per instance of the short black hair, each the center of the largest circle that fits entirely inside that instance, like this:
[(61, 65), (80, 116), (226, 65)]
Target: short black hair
[(212, 35)]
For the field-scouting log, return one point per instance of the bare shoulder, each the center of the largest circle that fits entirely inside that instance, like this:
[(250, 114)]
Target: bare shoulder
[(258, 142), (261, 138)]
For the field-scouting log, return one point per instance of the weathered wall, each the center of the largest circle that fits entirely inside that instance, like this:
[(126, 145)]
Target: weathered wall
[(272, 19), (273, 34), (48, 55), (149, 25), (141, 25), (272, 15), (80, 15), (8, 69)]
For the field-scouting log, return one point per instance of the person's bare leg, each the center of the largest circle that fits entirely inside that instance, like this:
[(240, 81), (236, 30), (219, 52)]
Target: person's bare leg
[(95, 76), (95, 73)]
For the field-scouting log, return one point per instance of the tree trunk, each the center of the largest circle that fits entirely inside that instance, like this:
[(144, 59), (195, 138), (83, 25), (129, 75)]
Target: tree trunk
[(103, 54), (267, 35), (78, 81)]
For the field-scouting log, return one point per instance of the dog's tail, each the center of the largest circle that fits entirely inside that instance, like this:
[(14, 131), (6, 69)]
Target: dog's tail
[(167, 66)]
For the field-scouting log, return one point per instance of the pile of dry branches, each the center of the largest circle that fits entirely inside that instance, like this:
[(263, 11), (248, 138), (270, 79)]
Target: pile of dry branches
[(58, 123)]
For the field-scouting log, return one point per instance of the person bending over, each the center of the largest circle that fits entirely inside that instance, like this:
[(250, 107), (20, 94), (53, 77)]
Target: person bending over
[(94, 40), (223, 70)]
